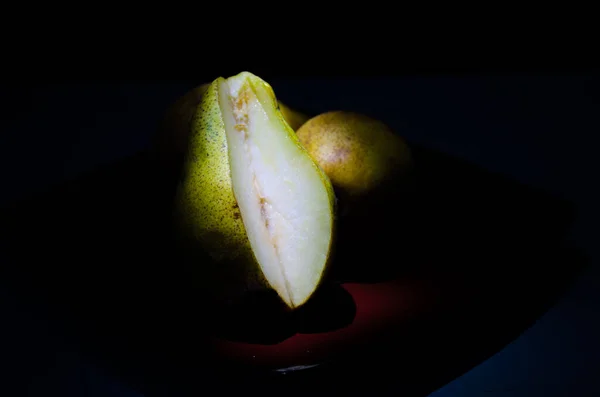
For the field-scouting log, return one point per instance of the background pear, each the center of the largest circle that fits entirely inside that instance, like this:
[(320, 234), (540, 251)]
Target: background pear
[(252, 209), (362, 156)]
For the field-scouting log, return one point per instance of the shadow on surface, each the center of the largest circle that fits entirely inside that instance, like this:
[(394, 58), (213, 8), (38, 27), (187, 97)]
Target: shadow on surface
[(261, 317), (97, 251)]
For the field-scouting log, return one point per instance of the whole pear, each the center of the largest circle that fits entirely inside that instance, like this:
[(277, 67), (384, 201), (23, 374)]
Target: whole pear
[(360, 154), (252, 209)]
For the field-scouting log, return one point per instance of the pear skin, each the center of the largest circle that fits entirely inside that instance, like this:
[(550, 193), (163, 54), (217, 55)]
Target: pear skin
[(174, 129)]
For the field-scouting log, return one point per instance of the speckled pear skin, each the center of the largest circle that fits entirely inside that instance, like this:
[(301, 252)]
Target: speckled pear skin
[(174, 130), (208, 220)]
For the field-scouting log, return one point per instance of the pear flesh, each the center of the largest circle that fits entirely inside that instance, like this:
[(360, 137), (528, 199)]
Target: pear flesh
[(285, 201)]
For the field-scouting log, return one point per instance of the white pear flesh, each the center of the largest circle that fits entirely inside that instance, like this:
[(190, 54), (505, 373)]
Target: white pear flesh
[(284, 203)]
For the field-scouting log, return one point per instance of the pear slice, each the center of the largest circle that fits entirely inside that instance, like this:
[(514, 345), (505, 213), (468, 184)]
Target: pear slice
[(283, 201), (249, 182)]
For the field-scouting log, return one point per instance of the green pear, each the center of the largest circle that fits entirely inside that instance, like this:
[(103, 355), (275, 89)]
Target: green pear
[(251, 198)]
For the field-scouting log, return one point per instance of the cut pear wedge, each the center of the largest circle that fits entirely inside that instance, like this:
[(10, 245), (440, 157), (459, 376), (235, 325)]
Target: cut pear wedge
[(284, 198)]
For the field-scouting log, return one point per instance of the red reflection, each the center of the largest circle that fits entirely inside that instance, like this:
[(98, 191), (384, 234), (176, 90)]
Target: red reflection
[(378, 306)]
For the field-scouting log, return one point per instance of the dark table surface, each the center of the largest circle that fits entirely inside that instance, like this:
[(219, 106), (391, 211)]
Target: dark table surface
[(542, 131)]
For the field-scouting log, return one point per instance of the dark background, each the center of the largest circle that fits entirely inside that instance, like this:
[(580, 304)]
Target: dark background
[(540, 130)]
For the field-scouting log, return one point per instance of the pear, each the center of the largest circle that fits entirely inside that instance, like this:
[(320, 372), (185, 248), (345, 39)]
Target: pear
[(359, 154), (251, 198)]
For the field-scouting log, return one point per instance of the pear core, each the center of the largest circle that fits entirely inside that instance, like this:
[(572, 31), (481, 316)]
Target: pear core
[(283, 200)]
